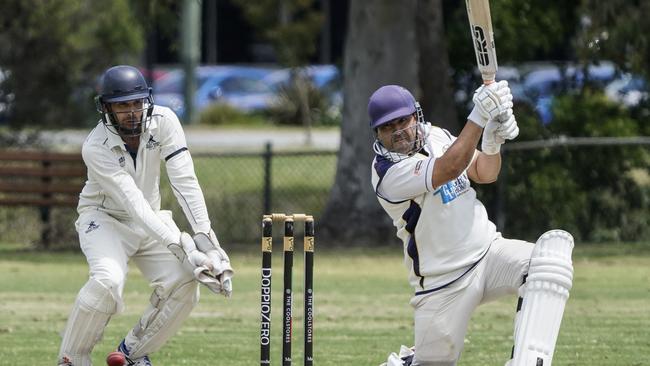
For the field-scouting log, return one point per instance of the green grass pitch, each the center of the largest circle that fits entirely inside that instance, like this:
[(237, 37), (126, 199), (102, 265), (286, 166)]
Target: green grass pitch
[(361, 311)]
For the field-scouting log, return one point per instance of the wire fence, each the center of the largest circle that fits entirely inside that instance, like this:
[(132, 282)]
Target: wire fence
[(596, 188), (240, 187)]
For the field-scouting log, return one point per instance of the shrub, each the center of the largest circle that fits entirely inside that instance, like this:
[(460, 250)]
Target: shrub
[(288, 110), (598, 193), (223, 114)]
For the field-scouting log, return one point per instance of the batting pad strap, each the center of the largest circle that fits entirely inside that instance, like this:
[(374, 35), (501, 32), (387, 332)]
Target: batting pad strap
[(552, 270)]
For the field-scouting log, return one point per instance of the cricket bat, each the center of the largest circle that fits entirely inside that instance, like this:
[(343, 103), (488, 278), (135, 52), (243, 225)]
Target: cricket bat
[(480, 23)]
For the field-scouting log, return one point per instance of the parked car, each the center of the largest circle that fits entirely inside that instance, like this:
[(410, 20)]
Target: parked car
[(326, 78), (629, 90), (154, 74), (542, 82), (238, 86)]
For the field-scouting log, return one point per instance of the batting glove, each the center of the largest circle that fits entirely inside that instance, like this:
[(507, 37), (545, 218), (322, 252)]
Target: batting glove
[(491, 142), (489, 102), (508, 130)]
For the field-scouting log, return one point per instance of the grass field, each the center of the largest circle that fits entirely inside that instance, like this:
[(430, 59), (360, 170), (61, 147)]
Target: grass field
[(362, 311)]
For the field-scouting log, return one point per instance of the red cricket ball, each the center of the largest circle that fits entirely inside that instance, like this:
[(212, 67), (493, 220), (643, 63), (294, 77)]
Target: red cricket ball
[(116, 359)]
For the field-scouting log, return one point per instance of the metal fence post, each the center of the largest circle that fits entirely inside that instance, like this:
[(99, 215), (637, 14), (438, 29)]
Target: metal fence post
[(268, 157)]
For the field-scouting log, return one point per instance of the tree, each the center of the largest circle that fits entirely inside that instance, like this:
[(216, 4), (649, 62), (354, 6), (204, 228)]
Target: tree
[(53, 52), (434, 70), (292, 26), (381, 48), (616, 30)]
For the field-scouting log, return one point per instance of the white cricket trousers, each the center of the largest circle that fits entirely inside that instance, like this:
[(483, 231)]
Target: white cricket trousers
[(441, 317), (109, 244)]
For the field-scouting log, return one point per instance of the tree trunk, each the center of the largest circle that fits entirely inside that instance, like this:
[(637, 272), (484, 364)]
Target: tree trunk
[(435, 80), (380, 49)]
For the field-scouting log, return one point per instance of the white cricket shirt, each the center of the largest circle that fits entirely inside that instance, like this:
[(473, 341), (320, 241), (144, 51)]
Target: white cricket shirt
[(130, 190), (445, 230)]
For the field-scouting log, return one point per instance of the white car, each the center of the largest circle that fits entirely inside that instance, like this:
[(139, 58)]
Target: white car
[(629, 90)]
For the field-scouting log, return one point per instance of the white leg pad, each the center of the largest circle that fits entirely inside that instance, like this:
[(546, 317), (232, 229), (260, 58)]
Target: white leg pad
[(93, 308), (545, 293), (162, 318)]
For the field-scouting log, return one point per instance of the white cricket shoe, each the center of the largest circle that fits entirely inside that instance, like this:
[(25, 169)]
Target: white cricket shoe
[(142, 361), (405, 357), (64, 361)]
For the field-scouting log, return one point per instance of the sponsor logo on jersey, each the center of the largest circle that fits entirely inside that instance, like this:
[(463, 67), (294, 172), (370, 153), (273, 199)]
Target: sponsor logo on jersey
[(122, 161), (152, 144), (453, 189)]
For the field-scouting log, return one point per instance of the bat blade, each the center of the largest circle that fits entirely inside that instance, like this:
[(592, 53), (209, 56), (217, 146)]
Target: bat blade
[(480, 23)]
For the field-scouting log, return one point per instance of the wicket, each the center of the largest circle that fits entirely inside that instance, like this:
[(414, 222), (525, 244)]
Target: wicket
[(265, 300)]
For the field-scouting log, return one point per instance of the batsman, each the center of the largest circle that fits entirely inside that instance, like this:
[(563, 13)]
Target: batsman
[(120, 219), (456, 258)]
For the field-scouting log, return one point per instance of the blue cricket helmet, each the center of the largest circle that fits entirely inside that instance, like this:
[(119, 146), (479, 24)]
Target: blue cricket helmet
[(390, 102)]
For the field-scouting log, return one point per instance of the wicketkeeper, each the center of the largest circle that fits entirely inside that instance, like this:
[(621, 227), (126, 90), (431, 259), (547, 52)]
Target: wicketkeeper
[(456, 257), (120, 220)]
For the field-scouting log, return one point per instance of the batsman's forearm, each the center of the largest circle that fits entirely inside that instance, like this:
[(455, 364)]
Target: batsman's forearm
[(462, 150), (488, 167), (459, 155)]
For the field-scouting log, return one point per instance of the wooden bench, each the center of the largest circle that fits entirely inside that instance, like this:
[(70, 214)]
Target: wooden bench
[(41, 179)]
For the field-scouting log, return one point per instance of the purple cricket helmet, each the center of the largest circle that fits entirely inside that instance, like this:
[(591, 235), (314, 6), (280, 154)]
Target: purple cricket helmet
[(390, 102)]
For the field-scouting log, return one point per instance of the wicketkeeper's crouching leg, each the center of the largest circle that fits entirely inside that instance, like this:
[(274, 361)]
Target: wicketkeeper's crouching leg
[(93, 308), (542, 300), (162, 319)]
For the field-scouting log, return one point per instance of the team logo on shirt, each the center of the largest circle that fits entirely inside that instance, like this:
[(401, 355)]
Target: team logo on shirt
[(122, 161), (92, 226), (152, 144)]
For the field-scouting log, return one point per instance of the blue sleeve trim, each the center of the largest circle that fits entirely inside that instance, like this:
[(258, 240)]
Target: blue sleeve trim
[(412, 216), (382, 165)]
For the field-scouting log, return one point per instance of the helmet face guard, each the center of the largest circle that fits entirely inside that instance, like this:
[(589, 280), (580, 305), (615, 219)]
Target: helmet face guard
[(387, 104), (122, 84), (407, 148), (135, 121)]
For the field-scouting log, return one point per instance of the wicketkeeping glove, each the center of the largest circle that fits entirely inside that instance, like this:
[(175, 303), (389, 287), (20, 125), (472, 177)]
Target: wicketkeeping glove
[(490, 101), (220, 274), (186, 252)]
